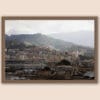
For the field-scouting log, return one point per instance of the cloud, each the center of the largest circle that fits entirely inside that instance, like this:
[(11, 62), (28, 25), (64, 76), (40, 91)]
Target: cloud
[(49, 26)]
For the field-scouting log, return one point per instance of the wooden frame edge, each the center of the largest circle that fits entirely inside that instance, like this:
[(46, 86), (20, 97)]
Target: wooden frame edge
[(95, 18)]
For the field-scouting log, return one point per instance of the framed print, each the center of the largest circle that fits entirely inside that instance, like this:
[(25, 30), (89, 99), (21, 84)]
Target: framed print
[(49, 49)]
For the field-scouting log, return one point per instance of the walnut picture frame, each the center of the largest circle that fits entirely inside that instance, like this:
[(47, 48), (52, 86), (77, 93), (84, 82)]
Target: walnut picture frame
[(49, 49)]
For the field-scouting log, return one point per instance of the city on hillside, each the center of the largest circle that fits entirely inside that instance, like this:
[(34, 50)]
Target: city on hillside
[(31, 62), (39, 49)]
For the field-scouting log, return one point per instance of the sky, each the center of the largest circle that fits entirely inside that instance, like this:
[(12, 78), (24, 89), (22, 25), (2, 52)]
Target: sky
[(55, 28), (49, 26)]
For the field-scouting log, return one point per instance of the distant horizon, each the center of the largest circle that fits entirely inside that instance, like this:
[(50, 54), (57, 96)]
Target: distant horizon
[(78, 31), (54, 37), (26, 32)]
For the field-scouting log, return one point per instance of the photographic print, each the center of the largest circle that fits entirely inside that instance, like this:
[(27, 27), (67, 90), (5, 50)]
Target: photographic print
[(49, 49)]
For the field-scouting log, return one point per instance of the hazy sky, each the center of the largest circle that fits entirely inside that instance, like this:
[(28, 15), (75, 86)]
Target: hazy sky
[(48, 26), (77, 31)]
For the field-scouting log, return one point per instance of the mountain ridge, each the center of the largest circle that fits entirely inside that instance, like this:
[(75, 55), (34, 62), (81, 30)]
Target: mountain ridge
[(39, 39), (84, 38)]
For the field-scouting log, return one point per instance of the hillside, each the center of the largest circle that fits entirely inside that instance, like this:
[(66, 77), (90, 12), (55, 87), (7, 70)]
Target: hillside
[(43, 40)]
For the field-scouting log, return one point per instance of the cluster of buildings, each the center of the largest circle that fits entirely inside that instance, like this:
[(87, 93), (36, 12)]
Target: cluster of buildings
[(45, 63)]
